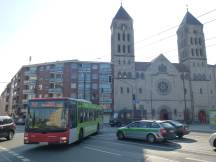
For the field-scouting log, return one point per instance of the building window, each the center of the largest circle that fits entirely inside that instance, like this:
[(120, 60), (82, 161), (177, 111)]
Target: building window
[(140, 90), (119, 62), (211, 91), (129, 50), (142, 76), (191, 39), (128, 90), (124, 75), (94, 86), (129, 62), (192, 52), (123, 36), (121, 90), (197, 52), (201, 91), (196, 41), (94, 76), (73, 85), (123, 48), (119, 38), (119, 75), (95, 67), (201, 52), (200, 41), (128, 37)]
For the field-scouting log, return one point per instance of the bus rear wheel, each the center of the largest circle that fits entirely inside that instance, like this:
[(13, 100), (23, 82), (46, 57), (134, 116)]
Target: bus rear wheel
[(81, 135)]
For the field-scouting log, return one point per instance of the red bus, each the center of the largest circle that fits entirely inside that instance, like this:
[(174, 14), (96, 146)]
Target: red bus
[(61, 120)]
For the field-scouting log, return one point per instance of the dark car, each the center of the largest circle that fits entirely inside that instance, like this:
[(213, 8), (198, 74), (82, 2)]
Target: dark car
[(149, 130), (180, 128), (7, 127)]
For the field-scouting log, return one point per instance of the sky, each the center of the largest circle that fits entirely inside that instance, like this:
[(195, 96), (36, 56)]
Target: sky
[(57, 30)]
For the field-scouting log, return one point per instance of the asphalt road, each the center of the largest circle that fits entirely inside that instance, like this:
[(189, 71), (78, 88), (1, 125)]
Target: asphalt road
[(105, 147)]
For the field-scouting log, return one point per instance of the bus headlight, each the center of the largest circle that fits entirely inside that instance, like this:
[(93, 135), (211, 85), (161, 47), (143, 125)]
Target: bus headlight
[(63, 138)]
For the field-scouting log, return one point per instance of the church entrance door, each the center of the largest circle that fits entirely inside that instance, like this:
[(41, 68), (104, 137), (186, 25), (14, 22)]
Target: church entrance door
[(202, 117), (164, 115)]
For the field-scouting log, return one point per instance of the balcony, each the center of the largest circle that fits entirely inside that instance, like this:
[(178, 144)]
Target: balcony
[(24, 101), (26, 91), (30, 73), (29, 81), (55, 79), (55, 90)]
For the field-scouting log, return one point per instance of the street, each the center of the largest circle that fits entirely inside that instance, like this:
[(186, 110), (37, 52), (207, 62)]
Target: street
[(105, 147)]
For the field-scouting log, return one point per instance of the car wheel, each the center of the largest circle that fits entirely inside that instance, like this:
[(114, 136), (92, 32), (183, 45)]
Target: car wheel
[(214, 143), (151, 138), (120, 135), (10, 135), (180, 135)]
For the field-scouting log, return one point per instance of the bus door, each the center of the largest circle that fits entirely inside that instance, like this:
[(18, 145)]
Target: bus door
[(73, 121)]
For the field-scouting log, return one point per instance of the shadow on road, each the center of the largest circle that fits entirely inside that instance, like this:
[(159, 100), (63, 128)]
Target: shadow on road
[(185, 140), (166, 145), (3, 140)]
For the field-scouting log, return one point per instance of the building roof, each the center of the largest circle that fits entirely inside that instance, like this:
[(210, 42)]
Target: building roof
[(122, 14), (142, 66), (190, 19)]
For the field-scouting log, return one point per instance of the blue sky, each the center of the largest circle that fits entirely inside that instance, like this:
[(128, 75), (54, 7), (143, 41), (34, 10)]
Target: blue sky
[(54, 30)]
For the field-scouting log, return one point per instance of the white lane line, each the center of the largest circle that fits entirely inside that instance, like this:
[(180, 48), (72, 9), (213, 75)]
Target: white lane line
[(20, 157), (193, 159), (26, 160), (158, 158), (99, 150)]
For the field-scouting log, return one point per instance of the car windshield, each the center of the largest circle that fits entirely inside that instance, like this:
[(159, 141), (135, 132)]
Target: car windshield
[(175, 123), (166, 125)]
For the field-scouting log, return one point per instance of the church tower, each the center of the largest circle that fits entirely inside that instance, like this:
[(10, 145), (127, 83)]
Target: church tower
[(122, 59), (191, 46), (192, 53)]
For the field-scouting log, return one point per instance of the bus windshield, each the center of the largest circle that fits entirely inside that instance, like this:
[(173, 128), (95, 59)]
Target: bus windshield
[(47, 116)]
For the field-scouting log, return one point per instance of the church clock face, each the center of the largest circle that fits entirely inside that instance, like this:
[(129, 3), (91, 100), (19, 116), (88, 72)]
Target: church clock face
[(163, 87)]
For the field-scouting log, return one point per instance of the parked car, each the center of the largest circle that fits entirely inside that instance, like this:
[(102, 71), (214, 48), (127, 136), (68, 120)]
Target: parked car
[(20, 121), (149, 130), (7, 127), (180, 128), (212, 140)]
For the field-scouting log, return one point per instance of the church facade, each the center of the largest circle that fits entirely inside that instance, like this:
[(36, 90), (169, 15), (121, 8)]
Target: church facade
[(159, 89)]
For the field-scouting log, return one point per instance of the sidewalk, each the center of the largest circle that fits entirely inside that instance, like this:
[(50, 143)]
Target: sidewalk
[(207, 128)]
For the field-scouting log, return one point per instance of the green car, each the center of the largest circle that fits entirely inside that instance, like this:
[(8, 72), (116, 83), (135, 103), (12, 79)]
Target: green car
[(149, 130)]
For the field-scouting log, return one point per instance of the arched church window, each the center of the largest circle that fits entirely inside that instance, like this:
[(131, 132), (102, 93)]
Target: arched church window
[(142, 76), (201, 91), (119, 75), (192, 52), (200, 41), (123, 36), (123, 48), (201, 52), (124, 75), (128, 37), (119, 37), (129, 62), (129, 49), (197, 52)]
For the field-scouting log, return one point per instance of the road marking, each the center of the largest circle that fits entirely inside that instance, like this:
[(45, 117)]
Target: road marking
[(14, 154), (99, 150), (193, 159), (158, 158)]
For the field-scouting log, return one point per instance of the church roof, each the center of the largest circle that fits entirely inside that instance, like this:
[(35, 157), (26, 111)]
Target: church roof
[(190, 19), (122, 14), (142, 66), (181, 67)]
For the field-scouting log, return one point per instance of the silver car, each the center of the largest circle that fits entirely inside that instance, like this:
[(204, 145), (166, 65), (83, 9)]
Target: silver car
[(212, 140)]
